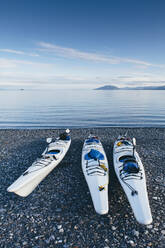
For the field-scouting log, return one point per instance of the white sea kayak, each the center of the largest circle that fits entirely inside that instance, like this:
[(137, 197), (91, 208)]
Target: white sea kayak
[(130, 172), (95, 169), (50, 158)]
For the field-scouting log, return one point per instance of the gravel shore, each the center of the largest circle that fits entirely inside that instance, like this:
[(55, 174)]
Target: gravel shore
[(59, 212)]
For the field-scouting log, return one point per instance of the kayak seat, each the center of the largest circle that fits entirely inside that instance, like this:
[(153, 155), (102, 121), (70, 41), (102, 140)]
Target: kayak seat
[(131, 166), (53, 152), (94, 154), (127, 157)]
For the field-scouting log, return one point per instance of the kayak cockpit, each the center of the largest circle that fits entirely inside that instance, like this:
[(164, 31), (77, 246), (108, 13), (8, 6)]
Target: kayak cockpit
[(93, 164), (93, 139), (53, 151), (94, 154), (129, 171)]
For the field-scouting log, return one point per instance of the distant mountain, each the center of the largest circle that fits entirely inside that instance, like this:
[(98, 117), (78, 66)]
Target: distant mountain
[(111, 87), (108, 87)]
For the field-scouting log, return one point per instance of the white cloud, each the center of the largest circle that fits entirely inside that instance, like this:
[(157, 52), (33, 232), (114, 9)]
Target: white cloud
[(11, 63), (6, 63), (30, 73), (74, 53), (18, 52)]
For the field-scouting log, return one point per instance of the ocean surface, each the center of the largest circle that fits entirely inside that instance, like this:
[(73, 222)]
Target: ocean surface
[(81, 108)]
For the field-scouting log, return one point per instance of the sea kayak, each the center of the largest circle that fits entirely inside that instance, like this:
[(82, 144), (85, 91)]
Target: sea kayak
[(131, 175), (50, 158), (95, 169)]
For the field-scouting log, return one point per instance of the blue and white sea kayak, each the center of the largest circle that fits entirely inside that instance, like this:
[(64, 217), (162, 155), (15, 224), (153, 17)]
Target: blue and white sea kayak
[(131, 175), (95, 169)]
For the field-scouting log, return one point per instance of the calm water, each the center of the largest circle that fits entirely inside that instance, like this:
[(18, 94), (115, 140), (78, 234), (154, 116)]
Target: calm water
[(81, 108)]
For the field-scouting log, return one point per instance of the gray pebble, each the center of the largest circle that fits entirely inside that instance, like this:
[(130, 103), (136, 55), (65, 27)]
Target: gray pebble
[(2, 210), (149, 226), (59, 212), (135, 233)]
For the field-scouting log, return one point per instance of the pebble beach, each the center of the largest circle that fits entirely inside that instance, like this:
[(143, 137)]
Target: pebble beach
[(59, 213)]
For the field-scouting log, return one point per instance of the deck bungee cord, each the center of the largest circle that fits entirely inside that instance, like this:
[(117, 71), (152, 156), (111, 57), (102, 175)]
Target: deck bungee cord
[(124, 177), (42, 162), (95, 169)]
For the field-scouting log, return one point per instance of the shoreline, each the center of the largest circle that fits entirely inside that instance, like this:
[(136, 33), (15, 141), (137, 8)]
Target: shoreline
[(76, 127), (59, 212)]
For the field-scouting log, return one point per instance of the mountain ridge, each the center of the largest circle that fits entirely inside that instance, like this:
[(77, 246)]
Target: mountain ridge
[(112, 87)]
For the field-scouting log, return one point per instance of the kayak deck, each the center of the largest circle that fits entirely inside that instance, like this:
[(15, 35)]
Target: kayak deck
[(96, 174), (133, 182)]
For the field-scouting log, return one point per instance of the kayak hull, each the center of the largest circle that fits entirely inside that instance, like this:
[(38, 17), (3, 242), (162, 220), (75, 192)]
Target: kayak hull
[(97, 184), (139, 202), (30, 179)]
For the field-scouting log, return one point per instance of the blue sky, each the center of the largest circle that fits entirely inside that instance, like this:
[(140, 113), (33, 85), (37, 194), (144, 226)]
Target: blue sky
[(76, 43)]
